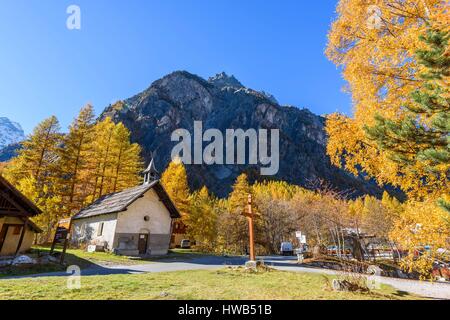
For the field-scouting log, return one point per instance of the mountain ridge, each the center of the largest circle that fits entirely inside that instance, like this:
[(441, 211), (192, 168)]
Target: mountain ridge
[(178, 99)]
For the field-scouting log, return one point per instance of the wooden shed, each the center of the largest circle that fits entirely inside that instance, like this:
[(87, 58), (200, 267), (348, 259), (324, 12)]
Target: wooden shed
[(17, 231)]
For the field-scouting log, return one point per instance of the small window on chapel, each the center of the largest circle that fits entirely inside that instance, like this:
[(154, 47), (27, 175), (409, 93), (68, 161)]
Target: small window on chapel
[(17, 230), (100, 229)]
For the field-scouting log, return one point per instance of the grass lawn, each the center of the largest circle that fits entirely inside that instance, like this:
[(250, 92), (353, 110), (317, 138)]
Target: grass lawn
[(192, 285)]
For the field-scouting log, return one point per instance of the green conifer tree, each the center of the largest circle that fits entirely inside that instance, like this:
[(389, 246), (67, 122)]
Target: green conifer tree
[(421, 138)]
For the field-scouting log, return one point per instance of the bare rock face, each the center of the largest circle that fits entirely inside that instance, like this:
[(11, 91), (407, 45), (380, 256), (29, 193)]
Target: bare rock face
[(222, 102), (222, 80), (10, 132), (9, 152)]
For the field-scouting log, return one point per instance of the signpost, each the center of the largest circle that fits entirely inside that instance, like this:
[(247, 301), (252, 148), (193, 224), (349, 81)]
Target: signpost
[(301, 237), (62, 235), (302, 240)]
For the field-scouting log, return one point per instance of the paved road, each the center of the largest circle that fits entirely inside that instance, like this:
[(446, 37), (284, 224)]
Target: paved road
[(426, 289)]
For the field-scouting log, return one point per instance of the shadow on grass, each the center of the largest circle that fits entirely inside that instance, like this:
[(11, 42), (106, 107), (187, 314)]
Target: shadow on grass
[(47, 269), (172, 256), (24, 270), (401, 293), (87, 268)]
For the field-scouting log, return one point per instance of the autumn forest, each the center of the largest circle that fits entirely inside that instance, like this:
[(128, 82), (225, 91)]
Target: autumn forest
[(398, 75)]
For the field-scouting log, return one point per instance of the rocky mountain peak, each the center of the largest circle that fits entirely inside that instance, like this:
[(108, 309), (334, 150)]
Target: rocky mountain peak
[(222, 102), (270, 96), (10, 132), (223, 80)]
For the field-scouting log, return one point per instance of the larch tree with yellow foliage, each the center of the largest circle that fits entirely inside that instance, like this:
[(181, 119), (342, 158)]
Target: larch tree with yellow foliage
[(234, 226), (75, 154), (202, 219), (35, 173), (424, 229), (126, 162), (2, 166), (61, 173), (376, 49), (277, 218), (102, 162), (174, 179), (116, 164), (239, 195), (399, 130), (422, 138), (37, 158)]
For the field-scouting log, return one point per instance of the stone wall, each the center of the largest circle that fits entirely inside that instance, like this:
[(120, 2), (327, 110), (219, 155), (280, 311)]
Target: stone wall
[(127, 244)]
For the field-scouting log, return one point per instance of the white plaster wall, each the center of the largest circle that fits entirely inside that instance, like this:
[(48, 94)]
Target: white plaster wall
[(132, 220), (86, 230)]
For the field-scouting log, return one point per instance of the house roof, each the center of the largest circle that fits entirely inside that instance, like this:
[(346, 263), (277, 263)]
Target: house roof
[(13, 202), (34, 227), (120, 201)]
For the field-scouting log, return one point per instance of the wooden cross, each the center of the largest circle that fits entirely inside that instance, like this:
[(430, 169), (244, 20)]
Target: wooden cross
[(248, 212)]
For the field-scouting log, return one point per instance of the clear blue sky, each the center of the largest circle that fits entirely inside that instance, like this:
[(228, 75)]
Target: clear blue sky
[(123, 46)]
